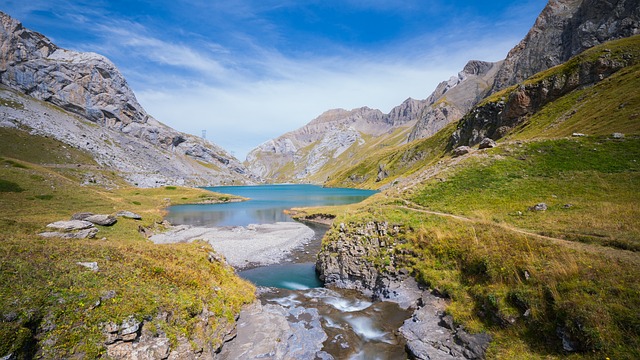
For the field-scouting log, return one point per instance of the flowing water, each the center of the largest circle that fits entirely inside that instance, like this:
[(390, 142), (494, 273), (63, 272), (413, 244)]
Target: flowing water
[(357, 328)]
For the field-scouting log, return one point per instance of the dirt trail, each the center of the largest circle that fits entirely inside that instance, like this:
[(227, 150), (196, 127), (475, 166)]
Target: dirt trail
[(612, 253)]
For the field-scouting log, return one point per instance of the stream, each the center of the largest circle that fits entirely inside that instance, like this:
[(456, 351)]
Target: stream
[(355, 326)]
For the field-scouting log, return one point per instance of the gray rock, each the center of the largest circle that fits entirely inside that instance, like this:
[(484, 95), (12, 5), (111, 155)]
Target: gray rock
[(81, 215), (461, 150), (93, 266), (70, 225), (617, 135), (577, 134), (566, 28), (487, 143), (104, 220), (432, 335), (128, 215), (80, 234), (274, 332), (539, 207)]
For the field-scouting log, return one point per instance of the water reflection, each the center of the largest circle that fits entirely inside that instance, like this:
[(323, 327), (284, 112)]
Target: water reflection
[(266, 205)]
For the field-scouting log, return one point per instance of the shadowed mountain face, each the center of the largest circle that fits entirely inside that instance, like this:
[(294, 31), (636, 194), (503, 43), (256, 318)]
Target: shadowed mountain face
[(91, 87)]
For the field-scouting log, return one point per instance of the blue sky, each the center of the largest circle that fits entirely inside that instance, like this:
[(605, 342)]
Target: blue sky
[(247, 71)]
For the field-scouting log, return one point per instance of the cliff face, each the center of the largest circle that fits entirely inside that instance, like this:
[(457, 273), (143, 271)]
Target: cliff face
[(90, 86), (566, 28), (314, 151), (506, 110)]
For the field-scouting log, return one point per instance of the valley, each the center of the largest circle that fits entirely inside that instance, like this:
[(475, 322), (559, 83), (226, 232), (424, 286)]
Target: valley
[(497, 218)]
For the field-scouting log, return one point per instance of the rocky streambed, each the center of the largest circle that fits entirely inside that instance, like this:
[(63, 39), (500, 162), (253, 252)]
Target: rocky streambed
[(365, 312)]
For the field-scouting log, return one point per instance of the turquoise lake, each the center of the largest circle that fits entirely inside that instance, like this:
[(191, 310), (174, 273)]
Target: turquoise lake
[(266, 204)]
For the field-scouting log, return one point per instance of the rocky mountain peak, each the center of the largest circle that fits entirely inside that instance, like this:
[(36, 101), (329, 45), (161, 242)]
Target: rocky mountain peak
[(563, 29)]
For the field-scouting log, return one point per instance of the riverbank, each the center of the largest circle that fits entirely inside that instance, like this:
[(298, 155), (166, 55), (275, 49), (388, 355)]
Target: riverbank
[(244, 246)]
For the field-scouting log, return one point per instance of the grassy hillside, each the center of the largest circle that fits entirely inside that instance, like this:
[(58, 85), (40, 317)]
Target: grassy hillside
[(533, 279), (51, 306)]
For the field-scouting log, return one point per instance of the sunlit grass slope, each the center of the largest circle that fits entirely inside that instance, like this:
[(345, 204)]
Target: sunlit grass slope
[(48, 303)]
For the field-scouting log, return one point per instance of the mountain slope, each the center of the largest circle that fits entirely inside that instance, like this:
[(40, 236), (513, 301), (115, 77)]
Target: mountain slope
[(339, 138), (328, 142), (90, 86)]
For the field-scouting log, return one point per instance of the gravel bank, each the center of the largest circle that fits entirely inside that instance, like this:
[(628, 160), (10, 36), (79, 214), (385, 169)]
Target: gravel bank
[(263, 244)]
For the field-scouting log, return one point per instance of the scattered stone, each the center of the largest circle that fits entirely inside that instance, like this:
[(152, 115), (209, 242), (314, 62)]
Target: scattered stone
[(104, 220), (129, 215), (617, 135), (93, 266), (567, 206), (81, 234), (108, 295), (578, 134), (539, 207), (215, 257), (461, 150), (487, 143), (81, 216), (71, 225)]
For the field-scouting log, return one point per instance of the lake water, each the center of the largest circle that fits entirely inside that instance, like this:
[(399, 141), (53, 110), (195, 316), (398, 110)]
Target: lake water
[(265, 207)]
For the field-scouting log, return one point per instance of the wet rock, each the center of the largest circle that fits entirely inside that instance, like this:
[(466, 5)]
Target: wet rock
[(274, 332), (487, 143), (128, 215), (93, 266), (461, 150), (71, 225), (103, 220)]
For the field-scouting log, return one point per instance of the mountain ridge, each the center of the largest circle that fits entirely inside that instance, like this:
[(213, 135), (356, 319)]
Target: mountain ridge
[(90, 86)]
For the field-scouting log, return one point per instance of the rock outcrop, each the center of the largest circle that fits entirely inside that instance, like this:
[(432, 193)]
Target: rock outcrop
[(566, 28), (453, 98), (365, 257), (496, 117), (126, 138)]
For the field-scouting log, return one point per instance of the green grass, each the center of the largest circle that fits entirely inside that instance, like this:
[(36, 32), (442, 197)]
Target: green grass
[(41, 286), (598, 178)]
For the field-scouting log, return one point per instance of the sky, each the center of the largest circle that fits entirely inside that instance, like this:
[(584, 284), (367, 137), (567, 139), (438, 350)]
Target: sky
[(247, 71)]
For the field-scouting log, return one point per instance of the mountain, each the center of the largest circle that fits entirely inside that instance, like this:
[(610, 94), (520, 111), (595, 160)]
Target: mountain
[(89, 105), (566, 28), (333, 140), (339, 138)]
